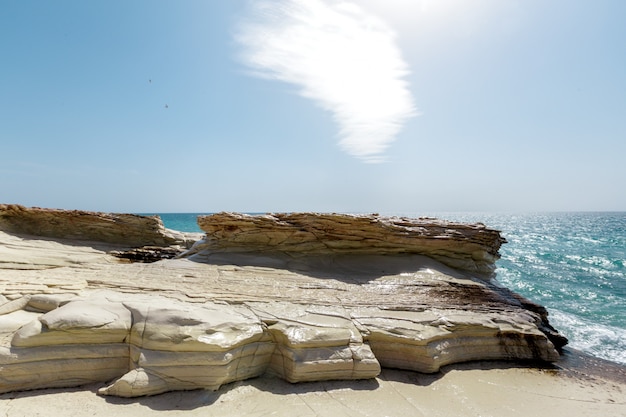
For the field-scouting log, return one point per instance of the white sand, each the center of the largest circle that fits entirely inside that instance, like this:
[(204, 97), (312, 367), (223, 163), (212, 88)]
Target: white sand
[(475, 389)]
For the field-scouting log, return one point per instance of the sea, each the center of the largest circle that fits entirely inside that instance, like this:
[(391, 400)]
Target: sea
[(574, 264)]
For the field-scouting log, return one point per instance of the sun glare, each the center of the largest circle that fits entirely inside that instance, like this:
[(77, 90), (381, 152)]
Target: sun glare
[(410, 16)]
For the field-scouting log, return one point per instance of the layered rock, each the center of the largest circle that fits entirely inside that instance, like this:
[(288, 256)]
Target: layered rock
[(249, 301), (178, 346), (77, 344), (155, 344), (128, 230), (470, 247)]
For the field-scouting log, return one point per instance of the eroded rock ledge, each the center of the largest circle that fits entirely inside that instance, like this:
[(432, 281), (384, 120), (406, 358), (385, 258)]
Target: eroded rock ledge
[(249, 301), (128, 230), (469, 247)]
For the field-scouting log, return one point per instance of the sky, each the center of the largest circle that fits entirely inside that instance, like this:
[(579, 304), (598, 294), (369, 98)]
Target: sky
[(389, 106)]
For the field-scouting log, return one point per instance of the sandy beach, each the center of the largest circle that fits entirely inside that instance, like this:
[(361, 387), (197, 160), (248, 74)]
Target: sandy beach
[(577, 386)]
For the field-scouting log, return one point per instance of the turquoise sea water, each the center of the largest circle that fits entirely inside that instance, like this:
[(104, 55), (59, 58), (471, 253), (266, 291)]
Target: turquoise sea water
[(572, 263)]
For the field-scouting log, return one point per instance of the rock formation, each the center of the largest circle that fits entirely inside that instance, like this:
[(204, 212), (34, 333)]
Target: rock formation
[(148, 253), (128, 230), (470, 247), (303, 297)]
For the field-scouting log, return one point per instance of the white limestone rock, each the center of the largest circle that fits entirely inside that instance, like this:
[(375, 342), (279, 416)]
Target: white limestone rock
[(316, 343), (426, 341), (303, 297), (182, 346), (78, 322)]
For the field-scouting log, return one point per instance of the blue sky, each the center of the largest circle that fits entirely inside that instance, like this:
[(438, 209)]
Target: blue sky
[(391, 106)]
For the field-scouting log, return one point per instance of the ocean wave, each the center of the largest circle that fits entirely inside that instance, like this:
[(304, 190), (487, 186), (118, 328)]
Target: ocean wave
[(601, 340)]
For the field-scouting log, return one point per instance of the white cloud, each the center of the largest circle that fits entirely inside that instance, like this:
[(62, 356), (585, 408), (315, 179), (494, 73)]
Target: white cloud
[(343, 58)]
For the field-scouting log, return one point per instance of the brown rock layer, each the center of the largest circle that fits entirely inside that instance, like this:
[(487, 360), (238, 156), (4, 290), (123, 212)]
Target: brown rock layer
[(128, 230), (470, 247)]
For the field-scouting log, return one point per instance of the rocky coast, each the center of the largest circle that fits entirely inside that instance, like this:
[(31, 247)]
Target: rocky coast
[(295, 303)]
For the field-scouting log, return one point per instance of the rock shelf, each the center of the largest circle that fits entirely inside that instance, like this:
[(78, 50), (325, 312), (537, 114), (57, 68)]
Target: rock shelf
[(470, 247), (303, 297)]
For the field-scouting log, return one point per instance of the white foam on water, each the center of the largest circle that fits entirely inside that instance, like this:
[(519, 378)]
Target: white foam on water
[(601, 340)]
